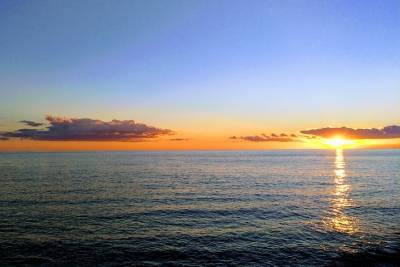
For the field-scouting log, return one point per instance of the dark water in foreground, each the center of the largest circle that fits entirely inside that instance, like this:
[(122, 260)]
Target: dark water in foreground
[(200, 208)]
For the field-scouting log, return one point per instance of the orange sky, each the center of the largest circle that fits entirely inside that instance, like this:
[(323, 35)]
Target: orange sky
[(198, 134), (201, 143)]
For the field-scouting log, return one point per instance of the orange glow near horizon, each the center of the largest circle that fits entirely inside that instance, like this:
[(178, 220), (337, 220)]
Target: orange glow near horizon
[(195, 141), (339, 142)]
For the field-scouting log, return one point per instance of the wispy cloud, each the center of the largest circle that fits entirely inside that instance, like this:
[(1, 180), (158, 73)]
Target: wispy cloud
[(264, 138), (387, 132), (75, 129), (32, 123)]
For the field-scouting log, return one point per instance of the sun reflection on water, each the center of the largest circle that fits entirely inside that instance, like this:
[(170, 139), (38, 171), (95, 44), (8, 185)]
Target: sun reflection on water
[(340, 221)]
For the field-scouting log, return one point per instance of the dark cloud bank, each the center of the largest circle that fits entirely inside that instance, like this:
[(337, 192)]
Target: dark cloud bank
[(387, 132), (65, 129)]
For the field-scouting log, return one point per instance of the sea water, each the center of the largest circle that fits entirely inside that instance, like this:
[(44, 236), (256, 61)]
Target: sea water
[(191, 208)]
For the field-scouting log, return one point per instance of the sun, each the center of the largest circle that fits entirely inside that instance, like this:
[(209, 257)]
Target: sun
[(338, 142)]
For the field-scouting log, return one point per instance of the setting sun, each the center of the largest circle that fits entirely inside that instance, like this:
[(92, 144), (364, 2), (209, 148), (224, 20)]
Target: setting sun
[(338, 142)]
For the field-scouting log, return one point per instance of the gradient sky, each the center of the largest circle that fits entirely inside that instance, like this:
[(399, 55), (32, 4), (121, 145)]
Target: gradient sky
[(205, 69)]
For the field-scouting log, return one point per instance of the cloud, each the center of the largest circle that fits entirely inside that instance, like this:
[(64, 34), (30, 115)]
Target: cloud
[(254, 138), (387, 132), (263, 138), (32, 123), (74, 129), (179, 139)]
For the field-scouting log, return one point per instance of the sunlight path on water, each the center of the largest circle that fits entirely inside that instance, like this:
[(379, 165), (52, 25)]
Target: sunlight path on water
[(342, 222)]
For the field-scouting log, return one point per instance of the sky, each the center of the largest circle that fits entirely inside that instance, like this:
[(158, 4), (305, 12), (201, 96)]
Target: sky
[(198, 74)]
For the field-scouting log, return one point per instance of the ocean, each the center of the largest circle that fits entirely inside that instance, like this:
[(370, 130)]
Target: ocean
[(200, 208)]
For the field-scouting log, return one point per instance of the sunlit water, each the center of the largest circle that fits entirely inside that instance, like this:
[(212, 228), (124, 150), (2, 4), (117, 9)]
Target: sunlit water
[(200, 208)]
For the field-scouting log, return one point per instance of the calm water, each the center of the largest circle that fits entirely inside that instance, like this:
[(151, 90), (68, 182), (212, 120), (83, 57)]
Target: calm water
[(200, 208)]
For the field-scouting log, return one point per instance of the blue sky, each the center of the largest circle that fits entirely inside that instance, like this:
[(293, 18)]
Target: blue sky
[(180, 64)]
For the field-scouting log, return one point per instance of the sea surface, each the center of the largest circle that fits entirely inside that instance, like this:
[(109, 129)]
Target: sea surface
[(200, 208)]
